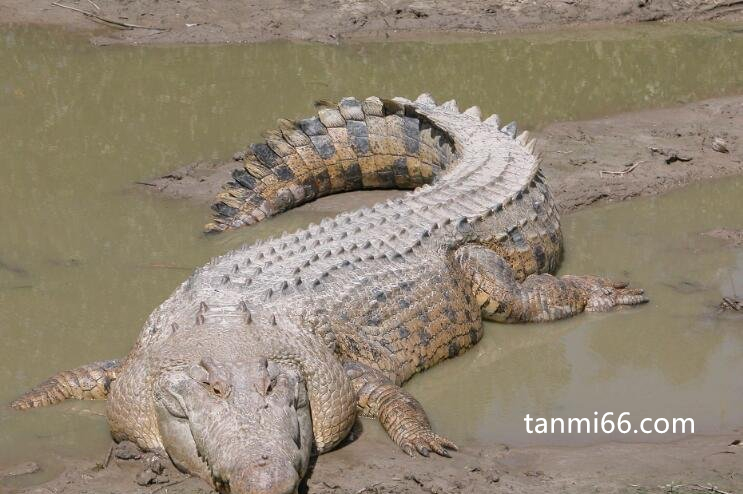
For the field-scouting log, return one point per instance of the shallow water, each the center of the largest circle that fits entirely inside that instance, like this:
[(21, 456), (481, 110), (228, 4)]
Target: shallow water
[(675, 357), (84, 258)]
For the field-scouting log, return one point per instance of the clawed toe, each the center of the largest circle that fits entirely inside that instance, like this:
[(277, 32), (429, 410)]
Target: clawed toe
[(427, 441), (607, 294)]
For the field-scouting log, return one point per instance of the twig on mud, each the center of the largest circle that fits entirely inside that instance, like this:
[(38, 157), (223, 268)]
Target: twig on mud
[(171, 484), (108, 457), (623, 172), (104, 19), (709, 488), (91, 2)]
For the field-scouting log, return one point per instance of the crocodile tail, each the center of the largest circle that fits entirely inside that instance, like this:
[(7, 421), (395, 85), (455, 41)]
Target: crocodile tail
[(351, 145), (89, 382)]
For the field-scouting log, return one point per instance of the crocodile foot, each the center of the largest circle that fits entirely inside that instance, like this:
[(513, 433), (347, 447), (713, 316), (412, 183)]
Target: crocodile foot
[(425, 441), (604, 294)]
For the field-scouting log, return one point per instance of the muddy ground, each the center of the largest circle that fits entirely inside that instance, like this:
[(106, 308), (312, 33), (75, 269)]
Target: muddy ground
[(607, 159), (368, 466), (330, 21)]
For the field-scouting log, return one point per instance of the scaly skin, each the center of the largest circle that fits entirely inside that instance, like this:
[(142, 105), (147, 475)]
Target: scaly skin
[(357, 304)]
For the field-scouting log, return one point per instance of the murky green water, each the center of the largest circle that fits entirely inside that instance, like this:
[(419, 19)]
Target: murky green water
[(84, 259)]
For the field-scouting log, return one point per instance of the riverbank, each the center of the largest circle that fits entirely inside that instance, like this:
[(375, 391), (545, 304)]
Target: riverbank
[(332, 21), (370, 466), (608, 159)]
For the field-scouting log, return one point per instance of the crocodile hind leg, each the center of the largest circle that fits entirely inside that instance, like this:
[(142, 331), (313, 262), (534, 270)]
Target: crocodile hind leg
[(539, 297), (400, 414), (89, 382)]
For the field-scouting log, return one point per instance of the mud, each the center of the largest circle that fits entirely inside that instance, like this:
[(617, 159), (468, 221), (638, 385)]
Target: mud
[(586, 162), (331, 21), (695, 464), (642, 153)]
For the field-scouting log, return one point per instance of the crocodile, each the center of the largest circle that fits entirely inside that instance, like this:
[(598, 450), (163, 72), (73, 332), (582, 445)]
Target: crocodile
[(267, 354)]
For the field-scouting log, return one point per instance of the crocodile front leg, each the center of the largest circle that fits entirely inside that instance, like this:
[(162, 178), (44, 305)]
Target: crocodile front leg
[(400, 414), (540, 297)]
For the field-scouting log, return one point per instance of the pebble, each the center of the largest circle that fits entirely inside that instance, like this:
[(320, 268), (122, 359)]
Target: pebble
[(155, 465), (126, 450), (719, 145), (146, 477)]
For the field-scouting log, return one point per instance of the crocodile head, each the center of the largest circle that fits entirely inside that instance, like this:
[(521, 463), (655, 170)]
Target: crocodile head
[(243, 426)]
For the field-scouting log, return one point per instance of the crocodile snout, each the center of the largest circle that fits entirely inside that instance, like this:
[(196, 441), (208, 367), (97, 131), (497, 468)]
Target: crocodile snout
[(266, 476)]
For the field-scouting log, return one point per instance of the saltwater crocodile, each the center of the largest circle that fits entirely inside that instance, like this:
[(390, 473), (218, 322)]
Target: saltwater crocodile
[(273, 348)]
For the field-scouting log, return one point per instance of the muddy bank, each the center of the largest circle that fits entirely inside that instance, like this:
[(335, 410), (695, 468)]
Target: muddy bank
[(642, 153), (608, 159), (224, 21), (696, 464)]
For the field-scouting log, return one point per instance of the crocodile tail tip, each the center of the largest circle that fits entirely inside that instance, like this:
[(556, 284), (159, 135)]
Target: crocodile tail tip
[(89, 382), (351, 145)]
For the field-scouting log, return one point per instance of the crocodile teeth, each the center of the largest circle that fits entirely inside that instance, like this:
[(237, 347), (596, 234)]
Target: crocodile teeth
[(425, 99), (474, 111), (493, 120), (511, 129)]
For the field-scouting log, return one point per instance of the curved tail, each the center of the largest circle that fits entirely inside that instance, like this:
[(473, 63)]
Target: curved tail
[(352, 145), (89, 382)]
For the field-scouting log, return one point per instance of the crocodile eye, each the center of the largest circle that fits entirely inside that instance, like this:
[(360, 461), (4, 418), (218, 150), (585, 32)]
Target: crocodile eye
[(220, 389)]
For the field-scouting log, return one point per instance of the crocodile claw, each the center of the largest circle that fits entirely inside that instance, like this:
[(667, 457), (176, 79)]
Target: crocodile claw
[(426, 441), (604, 294)]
